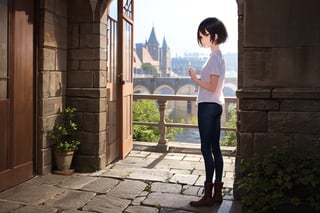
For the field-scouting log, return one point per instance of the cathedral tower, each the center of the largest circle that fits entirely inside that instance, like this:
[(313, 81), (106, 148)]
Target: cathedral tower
[(153, 46)]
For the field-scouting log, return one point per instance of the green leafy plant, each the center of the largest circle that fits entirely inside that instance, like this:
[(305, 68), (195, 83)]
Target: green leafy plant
[(64, 133), (231, 138), (281, 179), (146, 110)]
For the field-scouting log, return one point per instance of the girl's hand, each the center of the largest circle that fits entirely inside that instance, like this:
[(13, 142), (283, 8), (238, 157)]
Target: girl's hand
[(192, 73)]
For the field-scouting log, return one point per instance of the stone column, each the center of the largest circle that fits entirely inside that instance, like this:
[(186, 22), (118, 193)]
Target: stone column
[(86, 80), (279, 93), (162, 144)]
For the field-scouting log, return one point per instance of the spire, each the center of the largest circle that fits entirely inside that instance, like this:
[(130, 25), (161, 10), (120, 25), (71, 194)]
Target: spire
[(164, 43), (153, 39)]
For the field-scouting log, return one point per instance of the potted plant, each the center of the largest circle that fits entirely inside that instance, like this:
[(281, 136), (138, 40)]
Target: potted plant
[(63, 134)]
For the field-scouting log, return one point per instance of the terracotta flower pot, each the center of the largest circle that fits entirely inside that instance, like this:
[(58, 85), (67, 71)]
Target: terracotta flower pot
[(63, 159)]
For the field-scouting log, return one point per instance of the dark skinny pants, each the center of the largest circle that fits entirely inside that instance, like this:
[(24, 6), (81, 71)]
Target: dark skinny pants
[(209, 122)]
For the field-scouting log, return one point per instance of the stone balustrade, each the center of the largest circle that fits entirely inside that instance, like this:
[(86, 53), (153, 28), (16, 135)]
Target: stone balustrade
[(162, 101)]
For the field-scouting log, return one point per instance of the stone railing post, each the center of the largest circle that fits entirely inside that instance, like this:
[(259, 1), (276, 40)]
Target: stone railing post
[(162, 144)]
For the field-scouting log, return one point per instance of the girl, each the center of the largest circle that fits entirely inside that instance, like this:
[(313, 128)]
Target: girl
[(211, 33)]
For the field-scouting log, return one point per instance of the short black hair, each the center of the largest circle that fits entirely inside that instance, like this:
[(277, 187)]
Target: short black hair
[(213, 26)]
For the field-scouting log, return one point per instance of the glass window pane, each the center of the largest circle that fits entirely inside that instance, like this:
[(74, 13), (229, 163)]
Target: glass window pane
[(127, 52), (127, 7), (112, 53), (113, 12), (3, 48)]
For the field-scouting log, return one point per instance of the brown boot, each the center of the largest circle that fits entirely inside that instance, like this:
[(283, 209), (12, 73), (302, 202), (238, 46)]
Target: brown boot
[(217, 194), (206, 200)]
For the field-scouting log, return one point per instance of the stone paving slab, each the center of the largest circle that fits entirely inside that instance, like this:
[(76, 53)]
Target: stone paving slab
[(166, 188), (101, 185), (161, 175), (168, 210), (141, 209), (192, 190), (35, 209), (181, 202), (8, 206), (184, 179), (71, 199), (49, 179), (167, 200), (118, 171), (31, 194), (174, 164), (136, 161), (128, 189), (74, 211), (103, 203), (76, 182)]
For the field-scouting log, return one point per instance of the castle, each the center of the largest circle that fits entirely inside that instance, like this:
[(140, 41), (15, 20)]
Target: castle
[(151, 53)]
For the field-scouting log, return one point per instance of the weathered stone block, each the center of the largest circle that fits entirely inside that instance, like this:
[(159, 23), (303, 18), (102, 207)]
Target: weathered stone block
[(307, 141), (48, 17), (87, 92), (61, 7), (99, 79), (88, 104), (48, 58), (303, 73), (89, 41), (80, 79), (74, 65), (270, 23), (43, 85), (51, 106), (94, 122), (252, 121), (296, 93), (263, 142), (61, 62), (90, 28), (48, 5), (74, 37), (258, 104), (86, 163), (53, 84), (47, 123), (255, 93), (294, 122), (50, 39), (300, 105), (46, 157), (92, 143), (85, 54), (257, 62), (245, 144), (90, 64)]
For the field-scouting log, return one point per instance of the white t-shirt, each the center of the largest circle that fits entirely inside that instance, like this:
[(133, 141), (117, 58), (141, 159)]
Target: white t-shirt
[(215, 65)]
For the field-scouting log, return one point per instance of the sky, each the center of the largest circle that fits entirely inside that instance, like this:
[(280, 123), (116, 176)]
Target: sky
[(178, 21)]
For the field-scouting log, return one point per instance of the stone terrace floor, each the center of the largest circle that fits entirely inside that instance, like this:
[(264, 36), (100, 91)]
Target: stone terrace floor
[(144, 182)]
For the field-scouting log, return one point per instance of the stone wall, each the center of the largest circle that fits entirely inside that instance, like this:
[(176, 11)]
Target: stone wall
[(72, 71), (279, 72), (52, 73)]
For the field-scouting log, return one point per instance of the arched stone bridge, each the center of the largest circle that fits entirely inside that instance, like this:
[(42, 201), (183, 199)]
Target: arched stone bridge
[(177, 86)]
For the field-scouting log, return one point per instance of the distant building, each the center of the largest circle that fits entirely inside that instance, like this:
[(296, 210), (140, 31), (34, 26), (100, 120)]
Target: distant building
[(151, 52), (165, 59)]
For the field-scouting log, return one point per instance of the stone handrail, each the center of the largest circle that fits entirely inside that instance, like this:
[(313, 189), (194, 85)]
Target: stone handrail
[(162, 102)]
